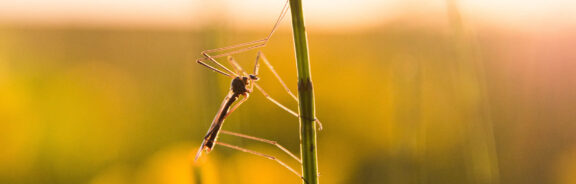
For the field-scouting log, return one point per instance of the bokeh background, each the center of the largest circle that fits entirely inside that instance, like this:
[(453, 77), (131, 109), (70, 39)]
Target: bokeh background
[(470, 91)]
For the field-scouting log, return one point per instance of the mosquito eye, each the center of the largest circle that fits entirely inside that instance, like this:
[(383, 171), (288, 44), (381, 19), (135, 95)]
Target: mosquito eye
[(253, 77)]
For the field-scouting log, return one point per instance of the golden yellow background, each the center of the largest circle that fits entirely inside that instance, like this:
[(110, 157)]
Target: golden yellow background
[(413, 99)]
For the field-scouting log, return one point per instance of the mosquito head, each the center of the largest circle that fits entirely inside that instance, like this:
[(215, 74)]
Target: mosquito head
[(254, 77)]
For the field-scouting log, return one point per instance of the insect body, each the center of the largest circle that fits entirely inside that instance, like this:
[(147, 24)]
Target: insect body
[(240, 86)]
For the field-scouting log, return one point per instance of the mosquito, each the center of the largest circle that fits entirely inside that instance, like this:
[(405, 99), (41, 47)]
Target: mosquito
[(242, 85)]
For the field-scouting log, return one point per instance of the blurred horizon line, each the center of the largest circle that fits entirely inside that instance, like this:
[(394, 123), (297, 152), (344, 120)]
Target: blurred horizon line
[(346, 15)]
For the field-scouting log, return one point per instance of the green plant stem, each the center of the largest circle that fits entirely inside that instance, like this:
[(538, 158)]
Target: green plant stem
[(305, 96)]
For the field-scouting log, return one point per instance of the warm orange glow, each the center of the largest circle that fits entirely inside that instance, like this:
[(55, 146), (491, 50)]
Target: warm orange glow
[(408, 91), (343, 14)]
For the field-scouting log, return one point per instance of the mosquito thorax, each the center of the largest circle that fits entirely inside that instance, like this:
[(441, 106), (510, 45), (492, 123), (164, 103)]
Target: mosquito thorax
[(239, 85)]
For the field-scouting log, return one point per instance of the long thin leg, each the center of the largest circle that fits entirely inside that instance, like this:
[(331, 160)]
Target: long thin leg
[(217, 63), (257, 64), (231, 47), (239, 68), (260, 54), (260, 154), (242, 47), (213, 69), (241, 50), (274, 101), (264, 141), (262, 41), (236, 66), (320, 127), (277, 76)]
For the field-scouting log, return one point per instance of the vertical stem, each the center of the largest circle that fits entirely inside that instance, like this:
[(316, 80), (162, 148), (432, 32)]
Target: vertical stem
[(305, 96)]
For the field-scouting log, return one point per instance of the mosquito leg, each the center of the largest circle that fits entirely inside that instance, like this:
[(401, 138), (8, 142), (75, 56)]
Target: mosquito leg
[(236, 66), (277, 76), (260, 154), (212, 68), (257, 64), (282, 14), (240, 50), (210, 58), (243, 47), (320, 127), (259, 42), (274, 101), (260, 54), (264, 141), (232, 47)]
